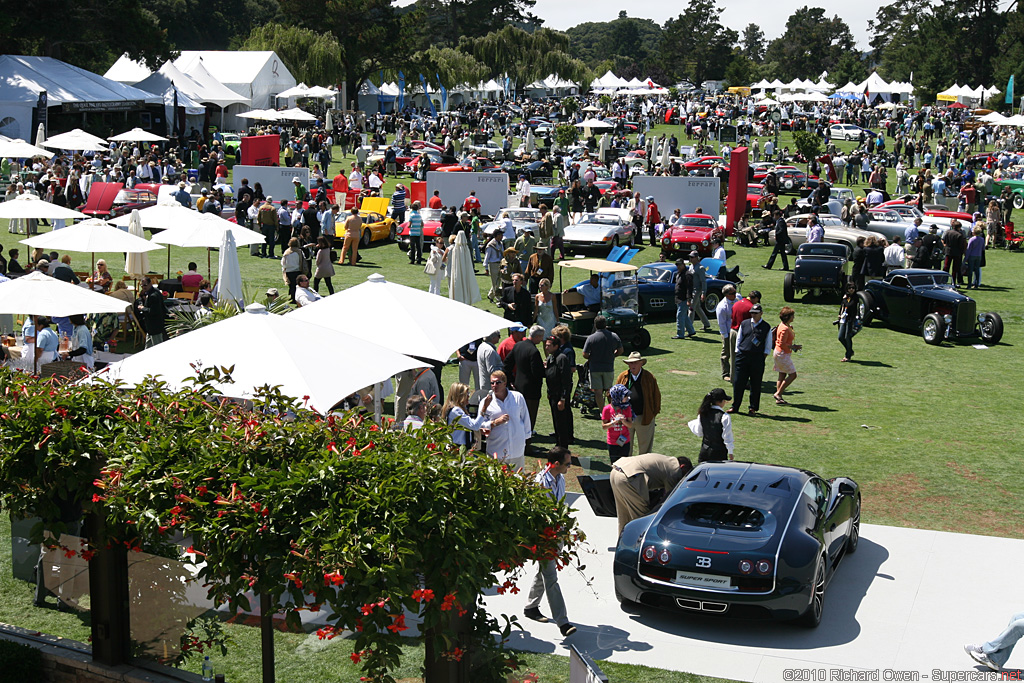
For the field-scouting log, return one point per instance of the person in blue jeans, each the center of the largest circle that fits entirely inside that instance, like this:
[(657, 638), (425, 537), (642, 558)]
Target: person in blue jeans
[(973, 255), (994, 653), (684, 283)]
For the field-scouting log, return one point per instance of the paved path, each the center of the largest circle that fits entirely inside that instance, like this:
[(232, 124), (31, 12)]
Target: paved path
[(907, 601)]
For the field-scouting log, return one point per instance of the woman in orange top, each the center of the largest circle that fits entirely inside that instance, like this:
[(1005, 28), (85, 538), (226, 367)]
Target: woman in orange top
[(784, 347)]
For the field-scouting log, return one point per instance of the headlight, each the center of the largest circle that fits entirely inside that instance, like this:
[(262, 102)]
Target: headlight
[(704, 243), (948, 319)]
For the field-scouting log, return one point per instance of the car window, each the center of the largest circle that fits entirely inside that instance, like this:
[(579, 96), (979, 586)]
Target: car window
[(816, 493), (900, 281), (724, 515)]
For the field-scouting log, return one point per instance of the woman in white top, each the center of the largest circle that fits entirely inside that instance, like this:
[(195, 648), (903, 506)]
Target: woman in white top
[(81, 344), (454, 413), (291, 265), (435, 265)]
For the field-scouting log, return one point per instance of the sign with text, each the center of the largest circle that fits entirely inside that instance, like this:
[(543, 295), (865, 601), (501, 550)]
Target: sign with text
[(680, 192), (113, 105), (491, 189), (261, 150), (276, 181)]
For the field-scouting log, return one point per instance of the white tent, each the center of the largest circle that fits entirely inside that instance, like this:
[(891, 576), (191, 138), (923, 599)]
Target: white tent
[(24, 78), (760, 85), (300, 90), (875, 85), (849, 87), (255, 75), (776, 84), (128, 71), (994, 118), (198, 86)]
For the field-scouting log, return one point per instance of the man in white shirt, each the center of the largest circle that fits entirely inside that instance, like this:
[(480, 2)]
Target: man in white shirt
[(591, 292), (355, 178), (719, 251), (523, 191), (374, 182), (724, 314), (303, 294), (895, 255), (508, 426)]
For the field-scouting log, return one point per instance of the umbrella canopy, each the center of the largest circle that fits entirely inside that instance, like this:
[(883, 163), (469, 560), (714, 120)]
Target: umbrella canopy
[(161, 216), (247, 340), (137, 135), (594, 124), (462, 285), (91, 236), (19, 149), (30, 206), (76, 139), (404, 319), (295, 114), (229, 275), (137, 262), (205, 230), (41, 294), (260, 115), (994, 117)]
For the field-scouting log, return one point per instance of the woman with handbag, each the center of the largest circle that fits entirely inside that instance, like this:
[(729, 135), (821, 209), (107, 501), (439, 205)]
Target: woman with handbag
[(291, 265), (435, 265), (324, 267)]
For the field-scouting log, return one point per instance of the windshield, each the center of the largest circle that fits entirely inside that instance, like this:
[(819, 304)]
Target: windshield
[(430, 214), (622, 296), (724, 515), (941, 279), (697, 223), (599, 219), (522, 215), (655, 274)]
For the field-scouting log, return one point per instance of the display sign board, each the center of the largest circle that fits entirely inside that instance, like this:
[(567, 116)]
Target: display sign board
[(680, 192), (491, 189), (113, 105), (727, 134), (276, 181), (261, 150)]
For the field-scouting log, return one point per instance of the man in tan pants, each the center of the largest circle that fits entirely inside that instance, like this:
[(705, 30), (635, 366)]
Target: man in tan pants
[(353, 231), (634, 477)]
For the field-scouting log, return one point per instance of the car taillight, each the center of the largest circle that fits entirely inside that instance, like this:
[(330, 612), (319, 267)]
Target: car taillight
[(664, 556), (650, 552), (746, 566), (763, 566)]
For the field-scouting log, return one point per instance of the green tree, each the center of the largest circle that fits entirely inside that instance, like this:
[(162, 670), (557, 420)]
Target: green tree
[(212, 24), (753, 42), (740, 69), (453, 66), (311, 57), (631, 39), (808, 144), (566, 134), (525, 56), (811, 44), (695, 45), (446, 22)]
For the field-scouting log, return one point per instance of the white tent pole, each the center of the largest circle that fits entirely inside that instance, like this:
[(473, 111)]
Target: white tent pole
[(378, 401)]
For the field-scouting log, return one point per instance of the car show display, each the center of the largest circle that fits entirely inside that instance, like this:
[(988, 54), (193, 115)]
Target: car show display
[(819, 267)]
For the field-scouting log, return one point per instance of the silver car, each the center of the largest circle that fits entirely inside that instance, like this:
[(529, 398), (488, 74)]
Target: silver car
[(598, 231), (835, 231), (522, 218)]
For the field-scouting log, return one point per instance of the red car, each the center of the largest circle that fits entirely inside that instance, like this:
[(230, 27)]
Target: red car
[(761, 170), (606, 185), (704, 163), (693, 233), (436, 160), (755, 194), (910, 211), (110, 200), (431, 229), (423, 144), (480, 164)]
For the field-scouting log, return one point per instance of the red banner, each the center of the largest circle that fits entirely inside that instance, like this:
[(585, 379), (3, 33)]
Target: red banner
[(736, 200), (261, 150)]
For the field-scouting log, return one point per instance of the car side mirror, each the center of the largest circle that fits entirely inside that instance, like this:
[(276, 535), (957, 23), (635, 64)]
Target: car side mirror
[(846, 489)]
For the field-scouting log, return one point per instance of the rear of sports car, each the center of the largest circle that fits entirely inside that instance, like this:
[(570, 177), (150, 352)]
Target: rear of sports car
[(713, 554)]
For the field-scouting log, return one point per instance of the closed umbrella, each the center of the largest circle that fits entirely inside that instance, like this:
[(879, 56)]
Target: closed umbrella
[(31, 206), (229, 275), (530, 142), (40, 135), (137, 262), (91, 236), (665, 156), (247, 340), (602, 147), (329, 121), (462, 284)]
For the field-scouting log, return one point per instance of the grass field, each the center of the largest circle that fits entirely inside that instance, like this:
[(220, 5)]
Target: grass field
[(931, 433)]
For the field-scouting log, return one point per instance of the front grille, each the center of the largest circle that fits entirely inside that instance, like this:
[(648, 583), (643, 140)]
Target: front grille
[(966, 317)]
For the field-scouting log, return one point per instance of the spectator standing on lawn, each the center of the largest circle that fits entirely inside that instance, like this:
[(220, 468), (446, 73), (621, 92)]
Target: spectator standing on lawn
[(644, 399), (752, 347), (600, 350), (723, 313), (617, 421), (714, 426), (784, 348)]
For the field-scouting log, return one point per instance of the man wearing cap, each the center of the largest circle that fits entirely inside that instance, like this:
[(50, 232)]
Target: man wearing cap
[(272, 295), (633, 478), (524, 245), (644, 399), (929, 254), (182, 196), (739, 311), (398, 203), (752, 347), (516, 332), (653, 219)]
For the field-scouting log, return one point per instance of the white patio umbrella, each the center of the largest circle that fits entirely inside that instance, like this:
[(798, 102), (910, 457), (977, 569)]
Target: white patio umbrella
[(136, 263), (205, 230), (137, 135), (295, 114), (19, 149), (229, 275), (401, 318), (76, 139), (31, 206), (260, 115), (595, 124), (91, 236), (163, 216), (247, 340), (329, 121), (462, 285), (994, 118)]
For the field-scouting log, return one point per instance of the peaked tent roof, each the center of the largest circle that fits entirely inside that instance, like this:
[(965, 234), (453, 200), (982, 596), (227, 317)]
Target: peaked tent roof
[(215, 92), (127, 70), (170, 77), (875, 84), (23, 78)]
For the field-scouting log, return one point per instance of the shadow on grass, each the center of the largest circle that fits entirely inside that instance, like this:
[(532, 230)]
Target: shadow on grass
[(782, 418), (813, 408), (839, 623), (870, 363)]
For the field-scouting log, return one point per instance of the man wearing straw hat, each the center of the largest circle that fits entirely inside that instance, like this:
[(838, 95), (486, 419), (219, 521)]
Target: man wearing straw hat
[(644, 399)]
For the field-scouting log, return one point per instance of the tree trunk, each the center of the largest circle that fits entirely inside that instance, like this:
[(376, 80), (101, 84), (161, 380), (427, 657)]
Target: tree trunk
[(437, 668), (267, 637), (108, 591)]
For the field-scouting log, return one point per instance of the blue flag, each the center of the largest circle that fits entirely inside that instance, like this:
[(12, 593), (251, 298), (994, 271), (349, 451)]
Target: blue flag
[(433, 110), (444, 93), (401, 92), (1009, 90)]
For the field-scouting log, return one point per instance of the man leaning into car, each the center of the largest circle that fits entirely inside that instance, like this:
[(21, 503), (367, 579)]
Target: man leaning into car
[(634, 477)]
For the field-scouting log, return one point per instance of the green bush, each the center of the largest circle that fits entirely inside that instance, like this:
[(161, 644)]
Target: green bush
[(20, 662)]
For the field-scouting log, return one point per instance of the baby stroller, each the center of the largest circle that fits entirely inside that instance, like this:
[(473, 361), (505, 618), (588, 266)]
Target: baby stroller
[(583, 396)]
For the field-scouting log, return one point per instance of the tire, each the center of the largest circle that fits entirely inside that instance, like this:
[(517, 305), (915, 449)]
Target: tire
[(711, 300), (865, 307), (403, 246), (1018, 200), (812, 617), (364, 241), (933, 329), (991, 328), (615, 241), (853, 539), (788, 291), (641, 340), (393, 235)]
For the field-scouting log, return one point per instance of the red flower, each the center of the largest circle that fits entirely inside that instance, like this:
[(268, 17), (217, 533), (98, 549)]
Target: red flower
[(201, 490), (448, 602), (374, 428), (399, 623), (68, 552), (456, 654), (356, 657), (423, 595), (294, 578), (193, 551), (97, 498), (367, 609), (334, 578), (88, 555), (60, 410)]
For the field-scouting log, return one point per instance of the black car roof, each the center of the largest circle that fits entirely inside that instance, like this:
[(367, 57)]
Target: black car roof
[(754, 484)]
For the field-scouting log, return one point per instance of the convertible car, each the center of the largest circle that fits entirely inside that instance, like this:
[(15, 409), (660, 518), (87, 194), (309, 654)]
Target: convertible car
[(431, 229), (741, 539), (819, 266), (925, 301), (657, 290), (694, 232)]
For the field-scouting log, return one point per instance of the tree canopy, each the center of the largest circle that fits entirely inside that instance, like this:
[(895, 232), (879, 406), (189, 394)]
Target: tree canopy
[(695, 45), (812, 43)]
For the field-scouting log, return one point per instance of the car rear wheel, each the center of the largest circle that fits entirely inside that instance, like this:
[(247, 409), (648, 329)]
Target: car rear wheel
[(865, 307), (711, 300), (788, 290), (933, 329), (991, 328), (365, 241), (853, 538), (812, 617), (641, 340)]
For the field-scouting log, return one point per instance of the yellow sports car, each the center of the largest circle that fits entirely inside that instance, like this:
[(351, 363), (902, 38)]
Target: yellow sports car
[(376, 224)]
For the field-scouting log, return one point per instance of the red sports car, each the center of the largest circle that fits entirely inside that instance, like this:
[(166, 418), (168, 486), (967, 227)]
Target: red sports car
[(431, 228), (755, 194), (693, 233), (703, 163)]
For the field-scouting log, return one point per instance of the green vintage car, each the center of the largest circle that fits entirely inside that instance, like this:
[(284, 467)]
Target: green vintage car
[(1016, 188)]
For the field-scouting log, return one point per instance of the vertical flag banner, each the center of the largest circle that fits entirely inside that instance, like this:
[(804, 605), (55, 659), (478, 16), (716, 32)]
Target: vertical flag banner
[(444, 93), (1009, 90), (433, 109), (401, 91)]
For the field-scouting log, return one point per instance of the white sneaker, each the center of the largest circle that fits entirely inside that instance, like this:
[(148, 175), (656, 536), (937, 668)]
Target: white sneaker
[(978, 655)]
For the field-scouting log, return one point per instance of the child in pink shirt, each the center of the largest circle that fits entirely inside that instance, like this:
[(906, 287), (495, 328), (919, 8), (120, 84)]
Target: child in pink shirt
[(617, 420)]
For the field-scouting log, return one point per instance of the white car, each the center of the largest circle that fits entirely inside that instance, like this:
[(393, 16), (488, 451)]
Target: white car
[(490, 149), (602, 230), (522, 218), (844, 131), (835, 231)]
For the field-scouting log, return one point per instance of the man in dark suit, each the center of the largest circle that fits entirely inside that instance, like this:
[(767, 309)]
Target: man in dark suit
[(752, 348), (517, 302), (781, 242), (525, 370)]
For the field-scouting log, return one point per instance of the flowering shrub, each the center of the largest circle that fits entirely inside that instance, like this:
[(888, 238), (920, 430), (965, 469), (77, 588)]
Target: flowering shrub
[(325, 512)]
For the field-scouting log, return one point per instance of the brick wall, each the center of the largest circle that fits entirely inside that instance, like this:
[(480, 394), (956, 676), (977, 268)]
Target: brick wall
[(68, 661)]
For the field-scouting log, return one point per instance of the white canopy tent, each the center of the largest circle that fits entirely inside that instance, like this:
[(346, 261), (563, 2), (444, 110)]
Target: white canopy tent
[(128, 71), (19, 149)]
